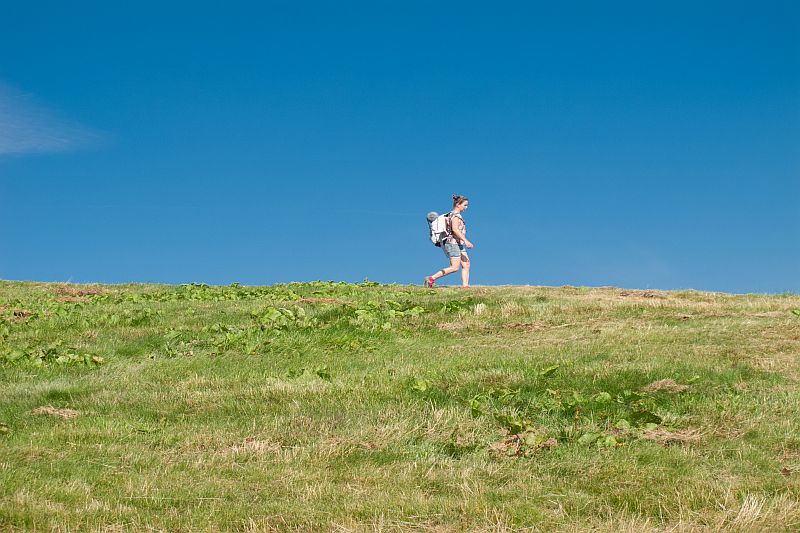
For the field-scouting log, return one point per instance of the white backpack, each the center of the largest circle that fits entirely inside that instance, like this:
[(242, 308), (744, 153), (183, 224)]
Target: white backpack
[(439, 226)]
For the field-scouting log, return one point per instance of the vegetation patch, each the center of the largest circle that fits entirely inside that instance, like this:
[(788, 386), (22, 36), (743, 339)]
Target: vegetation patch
[(326, 406), (48, 354)]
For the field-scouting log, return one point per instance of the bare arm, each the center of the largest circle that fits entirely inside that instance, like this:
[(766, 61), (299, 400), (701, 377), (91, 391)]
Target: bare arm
[(457, 227)]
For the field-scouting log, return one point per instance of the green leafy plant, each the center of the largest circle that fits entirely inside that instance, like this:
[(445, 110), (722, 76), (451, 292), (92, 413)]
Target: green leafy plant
[(477, 405), (455, 306), (549, 371), (321, 372), (419, 385), (350, 343), (52, 353), (375, 315), (282, 318), (602, 397), (514, 422), (124, 317)]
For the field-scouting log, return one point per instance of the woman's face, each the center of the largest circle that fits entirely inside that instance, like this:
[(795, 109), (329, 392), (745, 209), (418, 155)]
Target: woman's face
[(464, 205)]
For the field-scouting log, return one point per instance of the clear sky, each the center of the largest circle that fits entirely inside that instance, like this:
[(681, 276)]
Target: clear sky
[(636, 144)]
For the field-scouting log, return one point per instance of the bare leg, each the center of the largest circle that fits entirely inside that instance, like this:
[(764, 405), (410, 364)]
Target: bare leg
[(464, 270), (455, 264)]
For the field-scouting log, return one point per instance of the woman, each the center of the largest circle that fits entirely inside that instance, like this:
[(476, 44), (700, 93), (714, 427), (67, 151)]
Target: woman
[(455, 245)]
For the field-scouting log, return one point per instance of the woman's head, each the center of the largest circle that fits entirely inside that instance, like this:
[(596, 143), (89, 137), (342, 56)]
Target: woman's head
[(462, 202)]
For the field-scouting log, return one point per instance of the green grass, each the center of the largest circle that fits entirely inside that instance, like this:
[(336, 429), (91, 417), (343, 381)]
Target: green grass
[(331, 406)]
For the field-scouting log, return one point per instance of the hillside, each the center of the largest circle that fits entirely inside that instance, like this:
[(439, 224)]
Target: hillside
[(332, 406)]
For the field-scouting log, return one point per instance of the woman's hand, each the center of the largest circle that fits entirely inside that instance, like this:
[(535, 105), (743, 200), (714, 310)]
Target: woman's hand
[(467, 244)]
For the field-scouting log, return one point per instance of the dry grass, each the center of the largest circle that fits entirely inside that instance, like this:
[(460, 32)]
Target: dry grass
[(77, 291), (665, 385), (666, 438), (53, 411)]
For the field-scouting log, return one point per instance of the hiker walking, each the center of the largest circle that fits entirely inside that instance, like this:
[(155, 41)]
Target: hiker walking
[(450, 232)]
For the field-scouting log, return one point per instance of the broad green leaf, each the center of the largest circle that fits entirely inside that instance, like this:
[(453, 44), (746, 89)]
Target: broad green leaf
[(419, 385), (475, 406), (531, 440), (609, 441), (588, 438), (623, 425), (15, 354), (645, 417), (323, 372), (550, 370), (602, 397), (628, 397)]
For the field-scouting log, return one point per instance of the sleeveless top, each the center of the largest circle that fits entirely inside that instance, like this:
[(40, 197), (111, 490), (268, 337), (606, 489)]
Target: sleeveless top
[(454, 215)]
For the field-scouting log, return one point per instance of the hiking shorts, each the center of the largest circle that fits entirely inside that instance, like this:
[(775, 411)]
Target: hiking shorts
[(453, 249)]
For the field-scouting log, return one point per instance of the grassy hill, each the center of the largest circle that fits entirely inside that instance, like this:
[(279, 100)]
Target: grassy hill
[(331, 406)]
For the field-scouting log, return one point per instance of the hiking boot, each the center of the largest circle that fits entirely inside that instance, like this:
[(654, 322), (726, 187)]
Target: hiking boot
[(428, 283)]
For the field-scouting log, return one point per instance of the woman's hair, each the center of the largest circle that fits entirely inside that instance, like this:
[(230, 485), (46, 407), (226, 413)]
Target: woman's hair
[(457, 199)]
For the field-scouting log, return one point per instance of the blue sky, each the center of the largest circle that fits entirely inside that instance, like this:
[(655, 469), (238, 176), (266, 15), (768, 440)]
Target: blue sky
[(632, 145)]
